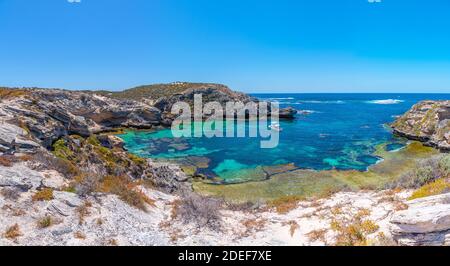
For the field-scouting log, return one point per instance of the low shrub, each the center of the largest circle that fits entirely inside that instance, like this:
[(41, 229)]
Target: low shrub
[(126, 190), (79, 235), (285, 204), (63, 166), (45, 222), (426, 171), (83, 211), (13, 232), (6, 160), (6, 93), (253, 225), (45, 194), (317, 235), (436, 187), (203, 211)]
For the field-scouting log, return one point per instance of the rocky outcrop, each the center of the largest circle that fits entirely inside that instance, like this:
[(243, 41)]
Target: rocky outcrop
[(14, 138), (50, 114), (427, 121), (426, 222), (287, 113)]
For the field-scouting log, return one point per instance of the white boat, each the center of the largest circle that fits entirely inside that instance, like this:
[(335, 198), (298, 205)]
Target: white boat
[(276, 127)]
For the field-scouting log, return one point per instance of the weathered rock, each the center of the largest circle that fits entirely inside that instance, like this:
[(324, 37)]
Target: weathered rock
[(425, 222), (427, 121), (110, 141), (51, 114), (20, 176), (13, 138), (422, 220), (287, 113), (168, 177), (70, 199), (430, 239), (63, 203), (53, 179)]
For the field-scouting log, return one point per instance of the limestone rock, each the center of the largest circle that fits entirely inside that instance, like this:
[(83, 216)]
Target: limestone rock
[(425, 222), (427, 121), (20, 176), (51, 114), (53, 179), (422, 220)]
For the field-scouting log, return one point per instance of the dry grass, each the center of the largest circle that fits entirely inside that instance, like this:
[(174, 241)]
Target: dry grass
[(252, 226), (353, 232), (126, 190), (7, 93), (6, 161), (317, 235), (79, 235), (45, 194), (112, 242), (436, 187), (285, 204), (199, 210), (14, 211), (13, 232), (83, 211), (293, 227), (176, 235), (26, 158)]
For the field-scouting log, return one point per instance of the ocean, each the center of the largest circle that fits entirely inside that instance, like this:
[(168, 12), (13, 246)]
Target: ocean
[(333, 131)]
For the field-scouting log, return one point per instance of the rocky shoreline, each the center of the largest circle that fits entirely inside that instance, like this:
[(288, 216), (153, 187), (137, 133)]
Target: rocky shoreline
[(64, 182), (428, 122)]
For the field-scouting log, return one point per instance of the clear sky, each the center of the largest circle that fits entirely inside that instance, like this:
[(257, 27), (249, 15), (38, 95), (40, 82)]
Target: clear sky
[(250, 45)]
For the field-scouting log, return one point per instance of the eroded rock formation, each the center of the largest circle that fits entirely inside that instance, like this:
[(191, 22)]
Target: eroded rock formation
[(427, 121)]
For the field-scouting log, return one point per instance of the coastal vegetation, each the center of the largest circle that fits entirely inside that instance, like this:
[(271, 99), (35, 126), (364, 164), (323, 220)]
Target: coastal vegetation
[(45, 194), (13, 232), (156, 91), (6, 93)]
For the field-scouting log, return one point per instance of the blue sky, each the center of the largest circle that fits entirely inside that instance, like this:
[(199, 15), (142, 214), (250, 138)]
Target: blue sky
[(250, 45)]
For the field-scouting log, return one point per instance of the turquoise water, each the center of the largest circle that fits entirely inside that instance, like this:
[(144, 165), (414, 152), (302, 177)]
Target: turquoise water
[(340, 131)]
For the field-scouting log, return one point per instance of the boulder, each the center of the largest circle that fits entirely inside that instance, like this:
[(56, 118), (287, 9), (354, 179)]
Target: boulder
[(20, 176), (422, 220), (425, 222), (14, 138), (287, 113)]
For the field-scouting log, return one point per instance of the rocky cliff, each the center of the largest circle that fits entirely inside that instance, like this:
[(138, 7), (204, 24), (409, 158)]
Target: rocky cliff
[(51, 114), (427, 121)]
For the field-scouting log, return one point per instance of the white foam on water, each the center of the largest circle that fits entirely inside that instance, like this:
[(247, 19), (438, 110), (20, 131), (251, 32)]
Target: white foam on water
[(386, 101)]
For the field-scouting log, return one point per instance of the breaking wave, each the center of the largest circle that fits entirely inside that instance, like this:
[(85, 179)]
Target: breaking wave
[(387, 101)]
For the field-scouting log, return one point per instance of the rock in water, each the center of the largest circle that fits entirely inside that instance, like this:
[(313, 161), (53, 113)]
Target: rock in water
[(287, 113)]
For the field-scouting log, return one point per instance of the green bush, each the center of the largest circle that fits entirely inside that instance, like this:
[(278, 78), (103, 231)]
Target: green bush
[(444, 165), (426, 171)]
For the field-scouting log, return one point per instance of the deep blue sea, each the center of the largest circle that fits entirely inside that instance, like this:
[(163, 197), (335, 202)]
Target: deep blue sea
[(339, 131)]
